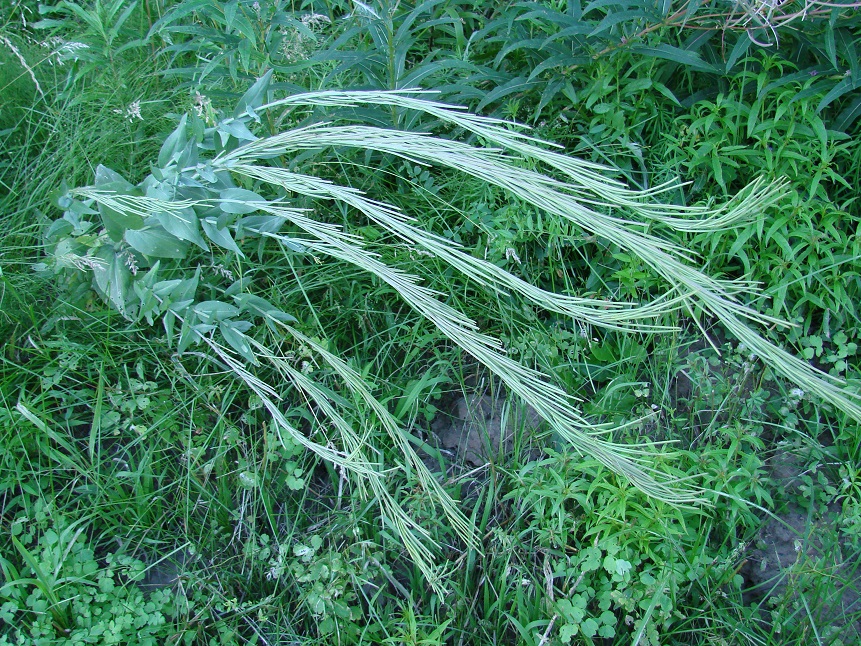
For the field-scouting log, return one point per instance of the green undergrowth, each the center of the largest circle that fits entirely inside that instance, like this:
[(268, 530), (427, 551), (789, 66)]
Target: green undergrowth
[(221, 383)]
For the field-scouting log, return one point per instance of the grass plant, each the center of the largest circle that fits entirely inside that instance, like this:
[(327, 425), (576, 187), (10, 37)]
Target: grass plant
[(222, 367)]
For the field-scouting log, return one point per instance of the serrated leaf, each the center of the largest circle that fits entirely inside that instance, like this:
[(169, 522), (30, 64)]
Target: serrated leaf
[(155, 242)]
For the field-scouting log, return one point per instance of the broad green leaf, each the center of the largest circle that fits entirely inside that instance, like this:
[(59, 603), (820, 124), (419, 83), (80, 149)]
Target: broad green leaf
[(589, 627), (830, 45), (157, 243), (59, 229), (233, 333), (178, 307), (240, 201), (616, 17), (164, 288), (149, 304), (192, 332), (184, 225), (568, 631), (261, 307), (253, 98), (188, 287), (253, 303), (213, 311), (692, 8), (249, 480), (113, 277), (173, 145), (108, 180), (591, 559), (515, 85), (221, 237), (256, 224), (227, 129), (117, 223), (846, 47)]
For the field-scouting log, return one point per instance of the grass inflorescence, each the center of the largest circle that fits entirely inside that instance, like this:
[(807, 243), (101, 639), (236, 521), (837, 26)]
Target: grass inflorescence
[(429, 323)]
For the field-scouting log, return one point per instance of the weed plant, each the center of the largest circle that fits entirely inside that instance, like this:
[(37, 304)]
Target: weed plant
[(221, 365)]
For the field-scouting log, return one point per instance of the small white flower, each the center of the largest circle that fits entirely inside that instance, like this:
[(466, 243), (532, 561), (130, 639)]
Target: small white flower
[(315, 19), (511, 254), (131, 263), (796, 393), (134, 111), (223, 271)]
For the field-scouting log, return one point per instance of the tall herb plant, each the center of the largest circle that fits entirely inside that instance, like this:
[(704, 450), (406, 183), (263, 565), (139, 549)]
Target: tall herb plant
[(236, 192)]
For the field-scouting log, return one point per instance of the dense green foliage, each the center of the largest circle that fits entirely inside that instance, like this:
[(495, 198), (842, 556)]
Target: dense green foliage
[(245, 276)]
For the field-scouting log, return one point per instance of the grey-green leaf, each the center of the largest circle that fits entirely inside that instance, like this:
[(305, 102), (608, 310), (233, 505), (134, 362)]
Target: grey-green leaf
[(240, 201), (184, 225), (212, 311), (236, 129), (221, 237), (232, 333), (157, 243), (253, 98), (173, 145)]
